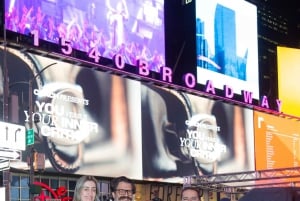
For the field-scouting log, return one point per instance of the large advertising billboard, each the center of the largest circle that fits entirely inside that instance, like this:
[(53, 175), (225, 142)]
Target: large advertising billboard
[(82, 119), (153, 40), (277, 145), (101, 28), (288, 69), (96, 123), (277, 141), (226, 44), (185, 135)]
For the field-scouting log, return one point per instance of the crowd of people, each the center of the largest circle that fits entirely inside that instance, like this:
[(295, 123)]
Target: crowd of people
[(80, 28), (122, 189)]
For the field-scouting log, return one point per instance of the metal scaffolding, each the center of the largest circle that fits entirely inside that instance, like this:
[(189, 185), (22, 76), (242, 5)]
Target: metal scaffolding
[(243, 181)]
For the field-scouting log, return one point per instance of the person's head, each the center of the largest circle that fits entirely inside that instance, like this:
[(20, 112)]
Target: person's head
[(190, 194), (86, 189), (123, 189)]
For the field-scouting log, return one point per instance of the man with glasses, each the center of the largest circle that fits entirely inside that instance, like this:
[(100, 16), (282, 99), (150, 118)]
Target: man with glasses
[(190, 194), (123, 189)]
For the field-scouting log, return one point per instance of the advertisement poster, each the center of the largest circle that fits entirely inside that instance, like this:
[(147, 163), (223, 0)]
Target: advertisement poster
[(277, 146), (288, 67), (107, 27), (226, 44), (186, 135), (277, 141), (84, 121), (92, 122)]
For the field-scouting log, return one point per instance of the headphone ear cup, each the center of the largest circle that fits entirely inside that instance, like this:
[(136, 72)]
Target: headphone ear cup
[(62, 158), (163, 123), (96, 87), (63, 141), (177, 112)]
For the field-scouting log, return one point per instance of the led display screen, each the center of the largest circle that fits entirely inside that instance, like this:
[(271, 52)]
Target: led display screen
[(152, 40), (95, 123), (226, 44), (185, 135), (133, 28), (277, 143), (77, 123), (288, 60)]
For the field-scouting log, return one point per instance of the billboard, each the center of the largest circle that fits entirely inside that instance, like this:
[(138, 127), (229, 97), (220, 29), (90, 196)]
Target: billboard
[(96, 123), (277, 146), (152, 40), (226, 45), (99, 28), (288, 69), (185, 135), (277, 141), (77, 123)]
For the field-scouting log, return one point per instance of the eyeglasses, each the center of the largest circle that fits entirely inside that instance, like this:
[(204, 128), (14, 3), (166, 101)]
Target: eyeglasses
[(124, 192)]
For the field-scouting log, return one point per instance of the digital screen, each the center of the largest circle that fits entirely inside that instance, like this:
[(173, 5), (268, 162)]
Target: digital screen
[(85, 121), (226, 45), (186, 135), (288, 69), (132, 28), (147, 39), (95, 123), (277, 143)]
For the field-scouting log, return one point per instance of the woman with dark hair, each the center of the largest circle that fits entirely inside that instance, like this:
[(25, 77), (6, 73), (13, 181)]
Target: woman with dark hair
[(86, 189)]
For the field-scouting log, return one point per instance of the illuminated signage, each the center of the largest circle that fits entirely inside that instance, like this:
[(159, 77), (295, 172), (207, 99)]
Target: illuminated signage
[(164, 77), (189, 81), (226, 44), (194, 135), (115, 112), (276, 141), (288, 67), (107, 27), (142, 67)]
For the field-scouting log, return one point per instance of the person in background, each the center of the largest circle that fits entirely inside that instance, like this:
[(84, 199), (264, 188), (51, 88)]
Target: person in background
[(117, 15), (86, 189), (190, 194), (123, 189), (156, 196)]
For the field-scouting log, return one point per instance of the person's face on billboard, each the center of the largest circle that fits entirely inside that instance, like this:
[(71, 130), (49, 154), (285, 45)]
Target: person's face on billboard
[(124, 192)]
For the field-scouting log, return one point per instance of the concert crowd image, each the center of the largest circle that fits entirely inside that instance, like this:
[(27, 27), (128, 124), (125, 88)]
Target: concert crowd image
[(133, 28)]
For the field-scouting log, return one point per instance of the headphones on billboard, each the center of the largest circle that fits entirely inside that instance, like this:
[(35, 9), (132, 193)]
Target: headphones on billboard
[(180, 123), (23, 67)]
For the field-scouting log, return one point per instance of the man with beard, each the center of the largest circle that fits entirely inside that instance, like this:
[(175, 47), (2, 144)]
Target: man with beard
[(123, 189)]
